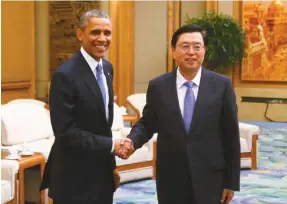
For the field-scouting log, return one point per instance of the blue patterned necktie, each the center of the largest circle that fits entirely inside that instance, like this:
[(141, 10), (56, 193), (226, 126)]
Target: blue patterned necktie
[(189, 103), (101, 82)]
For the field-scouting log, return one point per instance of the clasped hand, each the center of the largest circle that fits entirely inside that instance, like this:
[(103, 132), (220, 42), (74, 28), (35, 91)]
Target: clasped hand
[(124, 148)]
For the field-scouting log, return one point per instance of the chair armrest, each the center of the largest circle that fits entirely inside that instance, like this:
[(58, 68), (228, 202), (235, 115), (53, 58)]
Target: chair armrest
[(133, 108), (247, 132), (9, 169), (130, 118)]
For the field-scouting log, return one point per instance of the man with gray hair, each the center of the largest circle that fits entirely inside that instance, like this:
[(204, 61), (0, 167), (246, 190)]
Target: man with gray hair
[(81, 167)]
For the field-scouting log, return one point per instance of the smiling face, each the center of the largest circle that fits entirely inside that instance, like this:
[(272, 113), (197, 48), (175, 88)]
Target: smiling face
[(189, 52), (96, 36)]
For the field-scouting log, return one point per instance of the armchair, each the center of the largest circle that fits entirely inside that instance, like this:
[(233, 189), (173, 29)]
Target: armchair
[(26, 125), (248, 142)]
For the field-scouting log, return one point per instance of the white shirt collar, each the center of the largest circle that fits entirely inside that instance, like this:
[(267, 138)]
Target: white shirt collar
[(90, 60), (180, 80)]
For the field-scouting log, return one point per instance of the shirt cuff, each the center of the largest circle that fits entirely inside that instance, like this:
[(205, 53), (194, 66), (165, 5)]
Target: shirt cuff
[(113, 143)]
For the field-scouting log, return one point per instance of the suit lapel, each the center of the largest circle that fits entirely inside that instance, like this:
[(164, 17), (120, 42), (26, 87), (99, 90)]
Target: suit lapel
[(202, 97), (171, 82), (91, 82)]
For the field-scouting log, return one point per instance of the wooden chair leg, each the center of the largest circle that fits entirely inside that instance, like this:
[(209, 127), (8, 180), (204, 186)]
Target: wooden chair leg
[(154, 160), (50, 201), (42, 193), (254, 152), (16, 188)]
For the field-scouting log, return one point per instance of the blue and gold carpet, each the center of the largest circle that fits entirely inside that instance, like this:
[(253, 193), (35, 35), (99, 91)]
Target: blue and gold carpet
[(267, 185)]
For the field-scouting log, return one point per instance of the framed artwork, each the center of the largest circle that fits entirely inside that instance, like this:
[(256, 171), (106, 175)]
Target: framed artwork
[(265, 23)]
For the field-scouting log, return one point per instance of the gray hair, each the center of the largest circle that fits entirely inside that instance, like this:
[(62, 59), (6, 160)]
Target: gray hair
[(92, 13)]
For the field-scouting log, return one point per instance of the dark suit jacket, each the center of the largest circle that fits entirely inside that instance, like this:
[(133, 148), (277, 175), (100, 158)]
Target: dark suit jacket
[(80, 165), (208, 155)]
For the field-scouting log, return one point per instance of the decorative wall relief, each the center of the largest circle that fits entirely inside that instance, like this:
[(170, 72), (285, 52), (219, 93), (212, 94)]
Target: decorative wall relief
[(265, 24), (64, 16)]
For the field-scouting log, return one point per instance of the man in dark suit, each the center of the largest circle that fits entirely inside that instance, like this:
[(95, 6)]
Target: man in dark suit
[(81, 165), (194, 112)]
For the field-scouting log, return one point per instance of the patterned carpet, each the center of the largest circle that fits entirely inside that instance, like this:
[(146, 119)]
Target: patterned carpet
[(267, 185)]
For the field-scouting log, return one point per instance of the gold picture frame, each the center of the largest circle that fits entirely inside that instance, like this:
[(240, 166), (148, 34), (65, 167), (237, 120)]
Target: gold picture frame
[(265, 24)]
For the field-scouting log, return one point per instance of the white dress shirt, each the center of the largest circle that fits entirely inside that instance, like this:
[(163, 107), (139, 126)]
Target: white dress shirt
[(93, 64), (181, 89)]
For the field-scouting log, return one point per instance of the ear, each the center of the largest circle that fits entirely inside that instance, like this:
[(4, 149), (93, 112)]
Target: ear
[(172, 51), (80, 34)]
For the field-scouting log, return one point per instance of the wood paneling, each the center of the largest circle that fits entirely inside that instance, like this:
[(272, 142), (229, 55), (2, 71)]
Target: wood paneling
[(212, 5), (18, 50), (174, 14), (121, 52), (64, 17)]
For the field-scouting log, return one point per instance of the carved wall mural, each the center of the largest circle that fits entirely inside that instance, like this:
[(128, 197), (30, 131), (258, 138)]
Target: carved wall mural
[(64, 16), (266, 41)]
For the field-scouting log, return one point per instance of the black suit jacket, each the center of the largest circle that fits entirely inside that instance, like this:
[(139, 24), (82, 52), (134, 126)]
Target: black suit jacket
[(208, 155), (80, 165)]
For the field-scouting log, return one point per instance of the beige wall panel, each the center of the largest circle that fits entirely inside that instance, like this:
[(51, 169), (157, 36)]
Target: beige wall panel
[(150, 42), (255, 111), (141, 88), (225, 7), (192, 9)]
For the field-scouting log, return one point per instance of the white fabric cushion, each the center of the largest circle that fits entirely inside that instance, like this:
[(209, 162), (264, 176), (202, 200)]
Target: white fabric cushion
[(125, 131), (33, 101), (122, 133), (136, 174), (247, 131), (9, 169), (245, 163), (6, 191), (138, 101), (117, 134), (118, 122), (243, 145), (24, 122)]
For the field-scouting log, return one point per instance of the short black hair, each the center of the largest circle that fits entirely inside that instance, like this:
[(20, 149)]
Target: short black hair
[(188, 29)]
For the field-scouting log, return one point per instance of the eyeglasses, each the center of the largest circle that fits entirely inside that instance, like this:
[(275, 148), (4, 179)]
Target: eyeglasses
[(194, 47)]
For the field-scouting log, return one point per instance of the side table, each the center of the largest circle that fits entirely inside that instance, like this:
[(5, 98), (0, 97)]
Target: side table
[(24, 163), (27, 162)]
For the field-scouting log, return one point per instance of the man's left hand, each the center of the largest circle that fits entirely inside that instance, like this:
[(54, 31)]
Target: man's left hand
[(227, 196), (117, 178)]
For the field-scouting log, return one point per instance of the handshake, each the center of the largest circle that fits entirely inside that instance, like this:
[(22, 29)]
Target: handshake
[(124, 148)]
